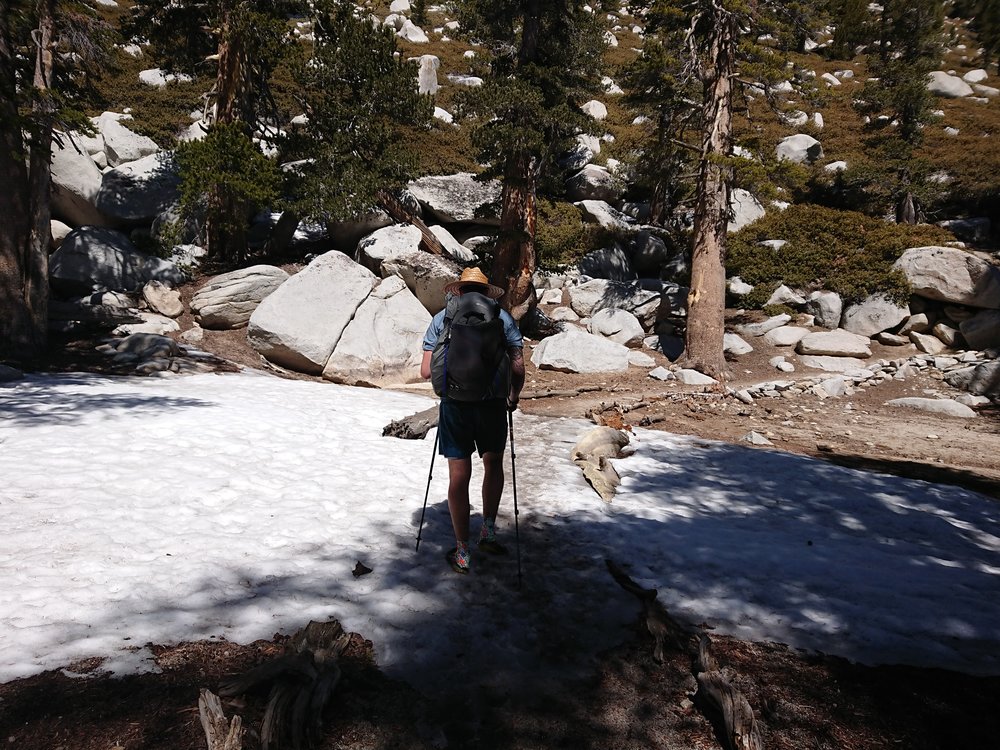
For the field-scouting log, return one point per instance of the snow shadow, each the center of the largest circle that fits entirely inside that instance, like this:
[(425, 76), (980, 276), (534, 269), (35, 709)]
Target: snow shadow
[(35, 404)]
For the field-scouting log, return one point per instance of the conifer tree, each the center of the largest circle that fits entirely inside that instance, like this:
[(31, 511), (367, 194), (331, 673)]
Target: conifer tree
[(245, 40), (48, 50), (853, 22), (984, 17), (544, 62), (897, 101), (720, 57), (356, 92)]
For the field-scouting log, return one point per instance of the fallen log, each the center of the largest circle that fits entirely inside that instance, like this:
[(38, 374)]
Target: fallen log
[(398, 211), (567, 393), (722, 704), (414, 427), (727, 707), (658, 621)]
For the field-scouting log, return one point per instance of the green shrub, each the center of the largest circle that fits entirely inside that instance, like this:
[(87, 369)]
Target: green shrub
[(562, 238), (560, 234), (843, 251)]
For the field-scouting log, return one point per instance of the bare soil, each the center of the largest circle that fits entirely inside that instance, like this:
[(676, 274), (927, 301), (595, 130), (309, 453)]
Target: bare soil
[(800, 700)]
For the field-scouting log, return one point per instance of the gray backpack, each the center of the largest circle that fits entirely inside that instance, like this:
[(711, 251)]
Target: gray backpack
[(470, 360)]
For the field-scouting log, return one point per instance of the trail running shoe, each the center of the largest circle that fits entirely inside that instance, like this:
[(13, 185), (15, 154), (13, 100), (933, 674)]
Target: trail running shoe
[(488, 540), (458, 558)]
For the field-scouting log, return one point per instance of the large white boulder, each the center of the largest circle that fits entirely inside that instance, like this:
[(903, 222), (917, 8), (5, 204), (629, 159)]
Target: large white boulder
[(458, 197), (837, 343), (228, 300), (141, 190), (600, 212), (595, 109), (940, 406), (619, 326), (579, 351), (951, 275), (594, 183), (425, 275), (385, 243), (163, 299), (982, 331), (785, 335), (601, 294), (800, 148), (826, 308), (607, 263), (976, 76), (875, 314), (76, 181), (381, 344), (100, 259), (412, 33), (944, 84), (981, 379), (427, 80), (745, 209), (299, 324), (452, 247), (121, 144)]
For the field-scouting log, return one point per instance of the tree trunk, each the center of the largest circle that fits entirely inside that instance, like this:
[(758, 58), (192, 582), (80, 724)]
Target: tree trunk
[(707, 298), (36, 281), (225, 225), (514, 258), (24, 203)]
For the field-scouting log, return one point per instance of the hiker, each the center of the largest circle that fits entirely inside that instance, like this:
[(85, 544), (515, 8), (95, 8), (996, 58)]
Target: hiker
[(473, 355)]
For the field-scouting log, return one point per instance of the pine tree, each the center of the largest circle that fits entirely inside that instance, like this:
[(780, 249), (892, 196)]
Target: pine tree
[(853, 21), (984, 18), (48, 49), (897, 101), (356, 93), (544, 62), (720, 56), (246, 39)]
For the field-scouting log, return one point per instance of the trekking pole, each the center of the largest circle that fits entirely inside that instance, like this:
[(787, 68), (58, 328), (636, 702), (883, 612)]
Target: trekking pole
[(513, 484), (428, 492)]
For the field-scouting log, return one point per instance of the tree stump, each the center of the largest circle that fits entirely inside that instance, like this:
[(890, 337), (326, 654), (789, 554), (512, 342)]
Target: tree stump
[(301, 682)]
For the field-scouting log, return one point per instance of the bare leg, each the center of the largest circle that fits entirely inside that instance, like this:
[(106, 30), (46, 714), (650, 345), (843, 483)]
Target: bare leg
[(492, 483), (459, 474)]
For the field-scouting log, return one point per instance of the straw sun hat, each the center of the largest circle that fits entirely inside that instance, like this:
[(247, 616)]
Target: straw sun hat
[(474, 276)]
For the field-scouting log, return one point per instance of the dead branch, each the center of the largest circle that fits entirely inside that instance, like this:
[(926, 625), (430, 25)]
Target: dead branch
[(220, 733), (658, 621), (552, 393), (725, 706), (733, 718)]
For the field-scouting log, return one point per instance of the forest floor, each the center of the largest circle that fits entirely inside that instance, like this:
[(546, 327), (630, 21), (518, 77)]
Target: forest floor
[(800, 700)]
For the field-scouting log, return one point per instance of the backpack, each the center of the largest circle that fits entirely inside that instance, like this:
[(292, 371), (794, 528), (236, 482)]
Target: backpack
[(470, 360)]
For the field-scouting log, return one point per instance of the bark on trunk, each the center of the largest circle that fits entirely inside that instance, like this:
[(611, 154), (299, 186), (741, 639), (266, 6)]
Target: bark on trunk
[(25, 231), (707, 298), (36, 283), (225, 225), (514, 258), (14, 318)]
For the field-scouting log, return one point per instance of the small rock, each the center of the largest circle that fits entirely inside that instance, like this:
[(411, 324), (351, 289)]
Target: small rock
[(662, 373), (693, 377), (755, 438)]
